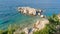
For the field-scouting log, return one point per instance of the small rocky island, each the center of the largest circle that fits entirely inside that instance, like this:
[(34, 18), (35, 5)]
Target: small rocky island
[(30, 11)]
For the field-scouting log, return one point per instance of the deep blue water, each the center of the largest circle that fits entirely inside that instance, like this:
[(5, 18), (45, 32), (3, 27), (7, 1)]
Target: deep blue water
[(10, 15)]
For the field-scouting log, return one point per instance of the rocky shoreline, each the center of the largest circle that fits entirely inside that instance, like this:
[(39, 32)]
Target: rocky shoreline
[(40, 24), (48, 25)]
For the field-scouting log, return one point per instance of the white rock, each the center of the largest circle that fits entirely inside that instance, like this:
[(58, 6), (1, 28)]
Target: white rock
[(25, 30), (58, 16), (25, 12), (31, 11), (38, 13), (40, 24), (42, 15)]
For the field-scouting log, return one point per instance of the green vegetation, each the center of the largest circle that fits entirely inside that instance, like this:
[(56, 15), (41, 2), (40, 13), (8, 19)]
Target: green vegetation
[(22, 33), (1, 31), (10, 29), (43, 31), (54, 20)]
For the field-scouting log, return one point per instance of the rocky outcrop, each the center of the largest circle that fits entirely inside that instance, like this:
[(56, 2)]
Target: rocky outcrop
[(40, 24), (58, 16), (30, 11)]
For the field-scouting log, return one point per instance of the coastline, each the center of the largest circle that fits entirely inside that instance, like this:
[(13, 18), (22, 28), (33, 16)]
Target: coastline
[(49, 25)]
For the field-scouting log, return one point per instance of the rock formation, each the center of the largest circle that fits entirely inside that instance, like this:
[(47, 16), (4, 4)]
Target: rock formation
[(58, 16), (40, 24), (30, 11)]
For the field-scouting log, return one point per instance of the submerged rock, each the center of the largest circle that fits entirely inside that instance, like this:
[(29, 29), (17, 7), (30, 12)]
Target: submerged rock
[(30, 11)]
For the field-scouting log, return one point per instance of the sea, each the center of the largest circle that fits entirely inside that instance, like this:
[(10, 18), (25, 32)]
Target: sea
[(9, 13)]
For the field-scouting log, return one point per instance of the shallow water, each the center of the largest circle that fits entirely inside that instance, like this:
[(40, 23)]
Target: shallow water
[(10, 15)]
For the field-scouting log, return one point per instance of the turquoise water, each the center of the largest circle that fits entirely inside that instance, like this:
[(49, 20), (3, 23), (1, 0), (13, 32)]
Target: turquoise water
[(10, 15)]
